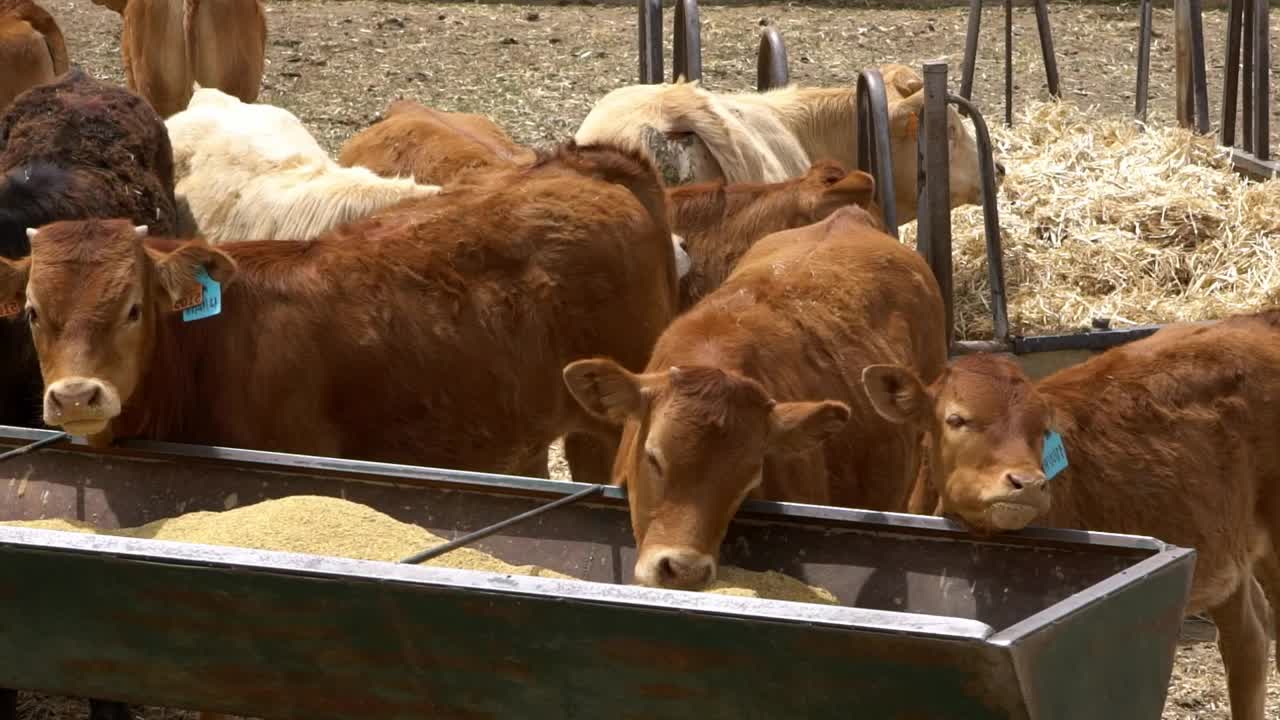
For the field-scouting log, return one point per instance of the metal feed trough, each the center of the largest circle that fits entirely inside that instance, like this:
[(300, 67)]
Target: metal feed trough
[(935, 623)]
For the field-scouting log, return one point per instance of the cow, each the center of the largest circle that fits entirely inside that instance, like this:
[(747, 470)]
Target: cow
[(432, 146), (32, 50), (251, 170), (74, 148), (1171, 436), (756, 391), (694, 135), (720, 222), (167, 45), (437, 338)]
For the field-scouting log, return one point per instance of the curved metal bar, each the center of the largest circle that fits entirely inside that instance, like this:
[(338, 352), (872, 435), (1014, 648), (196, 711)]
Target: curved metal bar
[(990, 217), (650, 41), (874, 150), (59, 437), (686, 58), (772, 69)]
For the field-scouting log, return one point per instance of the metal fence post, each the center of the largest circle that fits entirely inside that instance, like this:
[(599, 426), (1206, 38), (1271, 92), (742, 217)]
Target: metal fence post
[(875, 153), (772, 69), (686, 59), (1192, 102), (1231, 80), (933, 230), (1142, 92), (650, 39), (1262, 79)]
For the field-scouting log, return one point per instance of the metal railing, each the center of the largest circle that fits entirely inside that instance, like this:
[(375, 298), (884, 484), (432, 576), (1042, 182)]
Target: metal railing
[(875, 154), (971, 52), (771, 59), (772, 69), (1248, 78)]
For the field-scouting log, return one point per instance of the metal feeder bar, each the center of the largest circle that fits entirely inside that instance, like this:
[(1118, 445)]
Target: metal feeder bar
[(771, 61), (34, 446), (875, 154)]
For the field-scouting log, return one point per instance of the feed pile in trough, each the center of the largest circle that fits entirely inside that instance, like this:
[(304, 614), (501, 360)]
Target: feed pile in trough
[(1101, 218), (333, 527)]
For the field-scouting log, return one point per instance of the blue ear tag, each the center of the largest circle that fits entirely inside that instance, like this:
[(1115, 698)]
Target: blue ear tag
[(210, 303), (1054, 459)]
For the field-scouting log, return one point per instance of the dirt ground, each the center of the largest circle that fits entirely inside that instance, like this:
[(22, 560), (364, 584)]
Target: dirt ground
[(536, 70)]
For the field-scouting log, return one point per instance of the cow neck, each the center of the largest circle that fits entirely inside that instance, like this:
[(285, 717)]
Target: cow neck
[(821, 119), (166, 405)]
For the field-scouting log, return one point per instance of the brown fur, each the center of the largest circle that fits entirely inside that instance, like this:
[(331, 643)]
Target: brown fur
[(167, 45), (720, 222), (742, 391), (32, 49), (433, 333), (1172, 436), (431, 145)]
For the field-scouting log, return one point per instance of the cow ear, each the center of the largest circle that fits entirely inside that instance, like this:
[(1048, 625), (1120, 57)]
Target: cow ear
[(176, 270), (856, 188), (606, 390), (896, 393), (796, 427), (13, 285), (903, 116)]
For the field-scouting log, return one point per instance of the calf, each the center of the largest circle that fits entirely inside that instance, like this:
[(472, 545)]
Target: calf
[(438, 338), (720, 222), (694, 135), (431, 145), (253, 171), (32, 51), (1172, 436), (74, 148), (169, 44), (755, 392)]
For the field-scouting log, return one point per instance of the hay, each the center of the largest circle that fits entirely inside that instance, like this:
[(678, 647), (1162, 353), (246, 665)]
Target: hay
[(1102, 219), (332, 527)]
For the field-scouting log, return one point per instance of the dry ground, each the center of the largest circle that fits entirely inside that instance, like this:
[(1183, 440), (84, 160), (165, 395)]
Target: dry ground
[(536, 69)]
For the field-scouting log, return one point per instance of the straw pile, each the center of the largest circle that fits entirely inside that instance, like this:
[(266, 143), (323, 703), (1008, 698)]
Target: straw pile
[(1103, 219), (337, 528)]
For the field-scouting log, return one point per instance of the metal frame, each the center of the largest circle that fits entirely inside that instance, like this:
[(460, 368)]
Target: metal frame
[(466, 481), (1247, 49), (686, 47), (650, 41), (875, 152), (1046, 50), (772, 68)]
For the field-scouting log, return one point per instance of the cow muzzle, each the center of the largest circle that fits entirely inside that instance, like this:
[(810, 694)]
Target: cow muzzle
[(675, 568), (81, 406), (1023, 495)]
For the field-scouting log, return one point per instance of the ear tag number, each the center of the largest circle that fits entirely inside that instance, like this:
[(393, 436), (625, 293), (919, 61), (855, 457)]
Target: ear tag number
[(1054, 459), (205, 303), (10, 309)]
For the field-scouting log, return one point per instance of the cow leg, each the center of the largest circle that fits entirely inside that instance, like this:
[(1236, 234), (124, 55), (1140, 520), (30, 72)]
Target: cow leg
[(536, 467), (107, 710), (1243, 644), (1267, 572), (590, 457)]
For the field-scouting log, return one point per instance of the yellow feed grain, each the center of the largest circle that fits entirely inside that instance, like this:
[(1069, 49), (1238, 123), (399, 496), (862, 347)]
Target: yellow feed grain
[(333, 527)]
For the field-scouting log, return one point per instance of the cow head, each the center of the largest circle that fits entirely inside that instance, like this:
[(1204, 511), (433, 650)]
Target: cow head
[(693, 448), (987, 425), (92, 293), (905, 91)]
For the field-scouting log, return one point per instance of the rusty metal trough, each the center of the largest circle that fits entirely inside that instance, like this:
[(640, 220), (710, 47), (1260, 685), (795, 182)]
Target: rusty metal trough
[(935, 624)]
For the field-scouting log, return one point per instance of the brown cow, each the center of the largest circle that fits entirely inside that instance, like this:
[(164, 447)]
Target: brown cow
[(432, 146), (167, 45), (755, 392), (431, 334), (1172, 436), (32, 51), (720, 222)]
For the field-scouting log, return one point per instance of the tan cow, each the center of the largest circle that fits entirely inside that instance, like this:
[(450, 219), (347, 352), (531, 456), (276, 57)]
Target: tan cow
[(756, 391), (694, 135), (32, 51), (1172, 436), (720, 222), (432, 146), (169, 44), (433, 334)]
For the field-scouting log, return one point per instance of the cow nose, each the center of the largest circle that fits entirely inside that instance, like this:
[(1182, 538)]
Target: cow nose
[(75, 394), (1030, 481), (677, 568)]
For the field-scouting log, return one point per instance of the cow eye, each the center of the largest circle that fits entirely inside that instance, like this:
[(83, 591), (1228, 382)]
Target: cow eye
[(32, 317), (955, 421), (135, 313)]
